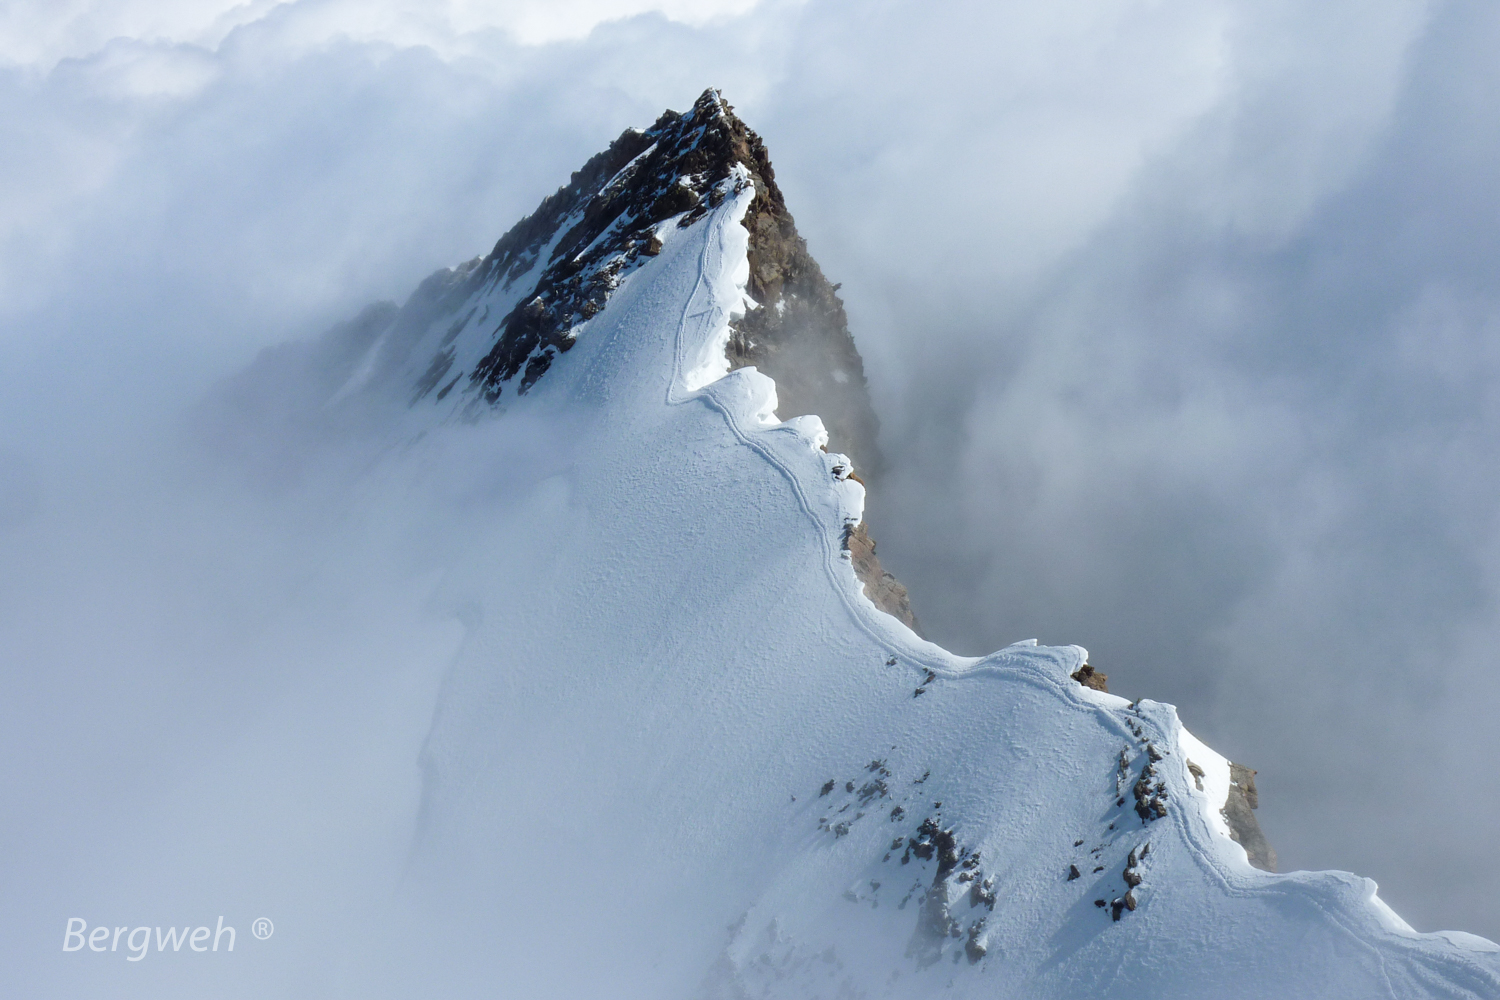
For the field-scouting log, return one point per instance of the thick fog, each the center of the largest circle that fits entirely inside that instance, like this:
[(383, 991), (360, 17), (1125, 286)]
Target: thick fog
[(1183, 321)]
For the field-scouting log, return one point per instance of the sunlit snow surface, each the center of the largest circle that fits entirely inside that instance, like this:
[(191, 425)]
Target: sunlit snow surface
[(669, 659)]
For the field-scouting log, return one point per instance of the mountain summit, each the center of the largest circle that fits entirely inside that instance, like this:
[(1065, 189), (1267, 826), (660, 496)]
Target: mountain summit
[(574, 251), (474, 337), (691, 745)]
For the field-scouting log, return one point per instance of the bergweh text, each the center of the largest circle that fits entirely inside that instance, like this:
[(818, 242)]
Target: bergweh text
[(137, 941)]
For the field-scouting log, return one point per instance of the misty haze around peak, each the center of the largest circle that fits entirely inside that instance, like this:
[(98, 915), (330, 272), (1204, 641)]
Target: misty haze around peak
[(1181, 321)]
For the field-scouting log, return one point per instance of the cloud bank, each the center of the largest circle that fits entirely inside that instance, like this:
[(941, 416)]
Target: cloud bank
[(1181, 319)]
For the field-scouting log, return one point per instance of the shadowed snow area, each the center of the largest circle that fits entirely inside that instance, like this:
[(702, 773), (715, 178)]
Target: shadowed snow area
[(679, 752)]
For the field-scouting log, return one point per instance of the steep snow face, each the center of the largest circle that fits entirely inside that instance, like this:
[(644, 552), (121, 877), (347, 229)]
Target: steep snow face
[(681, 754)]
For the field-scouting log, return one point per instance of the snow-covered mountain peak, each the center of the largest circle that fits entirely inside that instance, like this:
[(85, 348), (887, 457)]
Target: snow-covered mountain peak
[(683, 752), (481, 334)]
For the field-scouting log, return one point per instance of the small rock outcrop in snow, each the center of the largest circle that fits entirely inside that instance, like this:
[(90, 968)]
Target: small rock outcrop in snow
[(1091, 678)]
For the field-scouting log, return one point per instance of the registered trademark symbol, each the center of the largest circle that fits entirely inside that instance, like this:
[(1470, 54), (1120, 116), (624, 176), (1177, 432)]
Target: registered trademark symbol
[(262, 928)]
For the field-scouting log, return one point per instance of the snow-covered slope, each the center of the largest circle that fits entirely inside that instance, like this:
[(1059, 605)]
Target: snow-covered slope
[(682, 754)]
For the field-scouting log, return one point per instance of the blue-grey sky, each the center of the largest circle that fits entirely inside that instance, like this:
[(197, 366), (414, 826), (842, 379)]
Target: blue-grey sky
[(1183, 320)]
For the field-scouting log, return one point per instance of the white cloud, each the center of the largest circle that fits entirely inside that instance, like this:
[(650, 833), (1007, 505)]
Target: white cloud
[(1196, 299), (40, 33)]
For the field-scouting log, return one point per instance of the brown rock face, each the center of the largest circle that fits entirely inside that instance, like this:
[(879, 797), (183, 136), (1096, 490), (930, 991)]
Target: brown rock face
[(1091, 678), (883, 589), (1242, 825), (800, 335), (603, 224)]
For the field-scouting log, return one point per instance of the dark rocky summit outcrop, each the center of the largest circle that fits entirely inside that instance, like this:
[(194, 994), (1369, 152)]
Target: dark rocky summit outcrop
[(614, 202), (798, 335)]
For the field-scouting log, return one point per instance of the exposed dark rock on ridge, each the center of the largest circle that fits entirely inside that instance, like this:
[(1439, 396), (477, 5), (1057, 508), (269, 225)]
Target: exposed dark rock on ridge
[(798, 335), (618, 198), (584, 238)]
